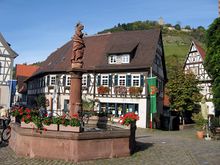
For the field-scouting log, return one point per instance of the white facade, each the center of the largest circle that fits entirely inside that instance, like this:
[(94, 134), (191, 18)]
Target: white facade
[(194, 64), (7, 56), (114, 91)]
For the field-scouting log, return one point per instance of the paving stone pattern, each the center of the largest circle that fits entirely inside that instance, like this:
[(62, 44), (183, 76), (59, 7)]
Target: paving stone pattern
[(154, 147)]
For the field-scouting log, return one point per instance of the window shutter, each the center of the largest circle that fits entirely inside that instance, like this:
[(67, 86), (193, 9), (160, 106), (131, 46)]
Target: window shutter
[(142, 80), (110, 80), (116, 80), (128, 80), (48, 80), (88, 80), (98, 80), (64, 80)]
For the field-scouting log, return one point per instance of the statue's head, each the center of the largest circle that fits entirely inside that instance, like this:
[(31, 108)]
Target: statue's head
[(79, 26)]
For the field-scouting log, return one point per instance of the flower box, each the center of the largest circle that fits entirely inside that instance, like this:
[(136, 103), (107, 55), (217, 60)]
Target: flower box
[(51, 127), (69, 128), (29, 125)]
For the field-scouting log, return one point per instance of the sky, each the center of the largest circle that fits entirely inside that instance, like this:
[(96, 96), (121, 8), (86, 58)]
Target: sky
[(36, 28)]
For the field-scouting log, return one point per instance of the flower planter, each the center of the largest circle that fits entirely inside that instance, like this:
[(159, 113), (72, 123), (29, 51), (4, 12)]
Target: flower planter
[(51, 127), (29, 125), (200, 134), (69, 128)]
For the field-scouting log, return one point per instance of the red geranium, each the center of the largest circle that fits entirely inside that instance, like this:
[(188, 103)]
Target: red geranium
[(128, 118)]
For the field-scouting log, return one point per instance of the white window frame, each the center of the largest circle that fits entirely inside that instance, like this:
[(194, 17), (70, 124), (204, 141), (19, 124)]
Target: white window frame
[(52, 80), (122, 80), (125, 59), (112, 59), (84, 80), (104, 80), (136, 80), (68, 80)]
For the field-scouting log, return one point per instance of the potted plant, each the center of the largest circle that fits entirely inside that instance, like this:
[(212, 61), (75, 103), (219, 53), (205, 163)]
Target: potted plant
[(130, 118), (200, 124)]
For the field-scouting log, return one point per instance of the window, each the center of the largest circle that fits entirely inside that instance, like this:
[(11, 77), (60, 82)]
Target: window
[(136, 80), (112, 59), (68, 80), (84, 80), (119, 59), (104, 80), (52, 80), (122, 80), (125, 59)]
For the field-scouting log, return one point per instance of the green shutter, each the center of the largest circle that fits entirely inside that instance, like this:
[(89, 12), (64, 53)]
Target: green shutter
[(142, 80), (110, 80), (116, 80), (48, 80), (64, 80), (128, 80), (98, 80), (88, 80)]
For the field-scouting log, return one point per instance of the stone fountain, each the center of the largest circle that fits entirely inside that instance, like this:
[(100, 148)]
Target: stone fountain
[(81, 146)]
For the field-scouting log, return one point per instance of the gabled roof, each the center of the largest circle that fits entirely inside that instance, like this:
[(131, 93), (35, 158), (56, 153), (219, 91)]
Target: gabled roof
[(200, 49), (143, 45), (22, 73), (12, 53)]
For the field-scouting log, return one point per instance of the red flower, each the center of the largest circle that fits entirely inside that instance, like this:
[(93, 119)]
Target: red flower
[(28, 111), (28, 116), (22, 119), (128, 118), (75, 116)]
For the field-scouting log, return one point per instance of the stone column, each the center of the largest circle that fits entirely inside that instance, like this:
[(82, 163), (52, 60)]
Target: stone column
[(76, 92)]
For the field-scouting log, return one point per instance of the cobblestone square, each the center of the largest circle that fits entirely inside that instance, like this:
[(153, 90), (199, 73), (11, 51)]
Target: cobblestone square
[(154, 147)]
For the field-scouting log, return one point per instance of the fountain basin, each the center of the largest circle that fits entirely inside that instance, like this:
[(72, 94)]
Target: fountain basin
[(75, 147)]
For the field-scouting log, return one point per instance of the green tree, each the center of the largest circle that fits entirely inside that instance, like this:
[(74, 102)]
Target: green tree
[(177, 27), (212, 59), (183, 91)]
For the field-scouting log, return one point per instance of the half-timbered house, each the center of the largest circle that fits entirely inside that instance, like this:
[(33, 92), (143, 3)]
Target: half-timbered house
[(117, 66), (7, 56), (194, 64)]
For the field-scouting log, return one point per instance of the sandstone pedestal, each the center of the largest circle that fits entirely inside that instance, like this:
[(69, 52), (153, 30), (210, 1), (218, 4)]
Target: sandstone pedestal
[(70, 146)]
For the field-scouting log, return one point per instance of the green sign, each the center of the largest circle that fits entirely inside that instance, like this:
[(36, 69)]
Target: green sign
[(152, 88)]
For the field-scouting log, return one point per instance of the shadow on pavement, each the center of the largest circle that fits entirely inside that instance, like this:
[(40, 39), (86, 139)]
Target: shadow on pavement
[(140, 146), (3, 144)]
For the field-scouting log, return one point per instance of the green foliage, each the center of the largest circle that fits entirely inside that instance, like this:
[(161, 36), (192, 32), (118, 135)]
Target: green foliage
[(183, 91), (199, 121), (40, 101), (212, 59), (37, 121), (88, 104)]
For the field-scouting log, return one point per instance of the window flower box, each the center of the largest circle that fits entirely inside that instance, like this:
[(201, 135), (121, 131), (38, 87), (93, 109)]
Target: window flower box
[(69, 128), (120, 90), (51, 127), (135, 91), (103, 90)]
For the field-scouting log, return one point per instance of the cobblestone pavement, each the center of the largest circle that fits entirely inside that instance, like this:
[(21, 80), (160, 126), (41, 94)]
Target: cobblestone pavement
[(154, 147)]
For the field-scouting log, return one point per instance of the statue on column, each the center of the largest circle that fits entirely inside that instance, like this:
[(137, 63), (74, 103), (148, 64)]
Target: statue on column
[(78, 47)]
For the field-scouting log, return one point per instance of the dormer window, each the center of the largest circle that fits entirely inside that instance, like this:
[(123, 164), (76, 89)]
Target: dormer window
[(125, 59), (112, 59), (119, 59)]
